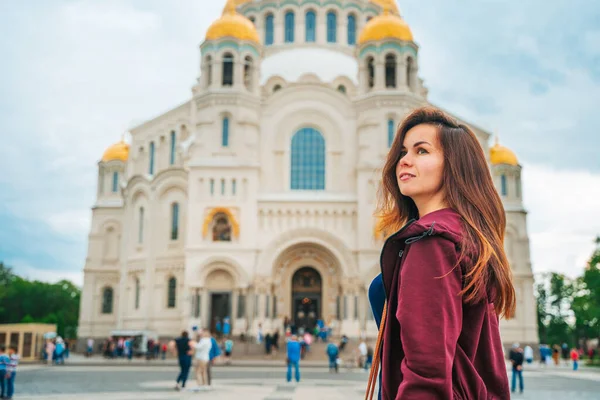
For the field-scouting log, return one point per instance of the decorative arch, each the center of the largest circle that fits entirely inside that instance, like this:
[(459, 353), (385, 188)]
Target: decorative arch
[(223, 263), (220, 210), (313, 236)]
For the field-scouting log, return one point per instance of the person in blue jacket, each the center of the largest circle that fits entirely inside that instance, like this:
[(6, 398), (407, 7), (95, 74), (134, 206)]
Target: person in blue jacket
[(293, 358)]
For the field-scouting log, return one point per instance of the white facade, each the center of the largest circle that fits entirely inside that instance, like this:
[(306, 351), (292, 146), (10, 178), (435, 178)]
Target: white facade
[(240, 187)]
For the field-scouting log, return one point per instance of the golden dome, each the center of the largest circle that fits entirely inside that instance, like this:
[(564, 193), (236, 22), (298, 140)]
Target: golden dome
[(386, 26), (118, 151), (385, 4), (502, 155), (232, 24)]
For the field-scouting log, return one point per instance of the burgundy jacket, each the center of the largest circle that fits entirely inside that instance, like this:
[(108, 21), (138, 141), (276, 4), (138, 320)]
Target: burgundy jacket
[(434, 345)]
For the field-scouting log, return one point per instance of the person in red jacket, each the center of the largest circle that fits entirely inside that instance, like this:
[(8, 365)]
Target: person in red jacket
[(444, 274)]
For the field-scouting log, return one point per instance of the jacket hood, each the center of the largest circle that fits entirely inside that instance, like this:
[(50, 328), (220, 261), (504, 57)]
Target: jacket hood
[(444, 222)]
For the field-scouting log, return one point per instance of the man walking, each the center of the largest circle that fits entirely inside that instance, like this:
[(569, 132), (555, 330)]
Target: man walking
[(332, 353), (184, 348), (516, 358), (293, 358)]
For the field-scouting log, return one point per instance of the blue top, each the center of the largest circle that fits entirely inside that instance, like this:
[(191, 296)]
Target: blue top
[(293, 351), (377, 300), (4, 361), (332, 350), (215, 350)]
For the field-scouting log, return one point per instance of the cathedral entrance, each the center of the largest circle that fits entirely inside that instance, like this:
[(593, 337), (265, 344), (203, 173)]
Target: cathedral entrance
[(306, 297), (220, 308)]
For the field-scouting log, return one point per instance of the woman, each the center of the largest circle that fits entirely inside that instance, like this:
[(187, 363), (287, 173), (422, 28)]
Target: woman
[(445, 279), (201, 358)]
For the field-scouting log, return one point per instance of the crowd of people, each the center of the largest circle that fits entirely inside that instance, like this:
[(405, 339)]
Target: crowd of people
[(56, 351)]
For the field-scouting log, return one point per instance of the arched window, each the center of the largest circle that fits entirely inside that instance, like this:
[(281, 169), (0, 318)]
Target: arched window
[(351, 29), (151, 164), (225, 132), (518, 186), (107, 300), (221, 229), (115, 183), (409, 72), (208, 70), (341, 89), (370, 72), (269, 29), (174, 221), (289, 27), (308, 160), (331, 27), (137, 293), (311, 26), (391, 131), (390, 71), (504, 187), (173, 146), (141, 226), (233, 187), (222, 187), (248, 72), (172, 293), (227, 69)]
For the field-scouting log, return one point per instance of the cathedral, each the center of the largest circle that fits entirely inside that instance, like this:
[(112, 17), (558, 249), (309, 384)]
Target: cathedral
[(254, 199)]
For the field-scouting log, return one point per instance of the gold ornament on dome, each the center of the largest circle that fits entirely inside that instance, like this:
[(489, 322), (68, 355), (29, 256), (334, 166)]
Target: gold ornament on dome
[(232, 24), (118, 151), (386, 26), (502, 155)]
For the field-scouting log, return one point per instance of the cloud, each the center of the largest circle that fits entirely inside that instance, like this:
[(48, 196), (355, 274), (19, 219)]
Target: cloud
[(563, 217)]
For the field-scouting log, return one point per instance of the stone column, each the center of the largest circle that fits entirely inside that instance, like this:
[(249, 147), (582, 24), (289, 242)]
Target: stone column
[(217, 72), (379, 75), (238, 72), (401, 73)]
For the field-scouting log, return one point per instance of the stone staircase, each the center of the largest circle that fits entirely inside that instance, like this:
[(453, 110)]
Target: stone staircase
[(317, 351)]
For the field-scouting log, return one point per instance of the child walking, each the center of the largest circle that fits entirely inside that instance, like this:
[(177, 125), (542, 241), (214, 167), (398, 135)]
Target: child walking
[(11, 372)]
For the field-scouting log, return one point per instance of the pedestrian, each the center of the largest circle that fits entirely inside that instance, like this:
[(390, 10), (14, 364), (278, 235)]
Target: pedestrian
[(575, 358), (362, 354), (59, 350), (226, 327), (293, 358), (90, 347), (215, 353), (201, 358), (259, 334), (528, 353), (228, 349), (11, 371), (556, 354), (268, 343), (164, 351), (516, 358), (49, 351), (275, 342), (333, 353), (184, 348), (445, 279), (4, 363)]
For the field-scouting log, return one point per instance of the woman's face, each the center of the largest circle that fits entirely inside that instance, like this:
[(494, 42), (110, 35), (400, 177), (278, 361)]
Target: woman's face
[(420, 169)]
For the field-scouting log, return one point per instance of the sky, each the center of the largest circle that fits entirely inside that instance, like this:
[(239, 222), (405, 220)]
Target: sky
[(76, 74)]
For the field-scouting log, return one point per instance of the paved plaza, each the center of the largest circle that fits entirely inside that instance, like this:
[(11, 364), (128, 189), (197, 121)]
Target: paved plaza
[(252, 383)]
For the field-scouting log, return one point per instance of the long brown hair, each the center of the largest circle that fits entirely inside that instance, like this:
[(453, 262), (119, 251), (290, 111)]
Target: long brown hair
[(469, 190)]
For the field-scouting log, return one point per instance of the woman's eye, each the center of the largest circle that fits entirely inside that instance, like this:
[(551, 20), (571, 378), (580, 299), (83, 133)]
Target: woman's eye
[(421, 151)]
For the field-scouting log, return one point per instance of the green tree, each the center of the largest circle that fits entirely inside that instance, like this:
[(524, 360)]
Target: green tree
[(554, 294), (34, 301), (586, 302)]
